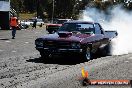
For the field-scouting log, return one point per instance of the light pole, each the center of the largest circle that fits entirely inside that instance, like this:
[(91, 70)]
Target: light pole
[(38, 8), (53, 11)]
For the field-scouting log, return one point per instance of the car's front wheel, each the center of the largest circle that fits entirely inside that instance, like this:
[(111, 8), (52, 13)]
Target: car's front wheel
[(44, 56), (87, 54)]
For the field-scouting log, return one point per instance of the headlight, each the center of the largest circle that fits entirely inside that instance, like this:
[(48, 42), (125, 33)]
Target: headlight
[(39, 43), (76, 45)]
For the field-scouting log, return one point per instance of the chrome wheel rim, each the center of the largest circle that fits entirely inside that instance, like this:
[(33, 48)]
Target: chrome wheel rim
[(88, 54)]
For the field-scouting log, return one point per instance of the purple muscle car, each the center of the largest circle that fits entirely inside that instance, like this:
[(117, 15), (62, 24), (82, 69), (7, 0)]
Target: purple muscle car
[(79, 37)]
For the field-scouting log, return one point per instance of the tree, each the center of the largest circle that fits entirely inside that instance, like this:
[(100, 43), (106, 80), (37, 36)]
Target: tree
[(63, 8)]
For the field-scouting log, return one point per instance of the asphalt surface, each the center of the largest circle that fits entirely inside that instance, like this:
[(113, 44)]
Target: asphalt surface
[(22, 67)]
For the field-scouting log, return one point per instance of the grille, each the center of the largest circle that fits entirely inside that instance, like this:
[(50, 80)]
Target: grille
[(54, 44)]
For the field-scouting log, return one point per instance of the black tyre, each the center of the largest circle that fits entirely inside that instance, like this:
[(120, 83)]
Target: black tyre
[(51, 32), (106, 51), (41, 25), (44, 56), (87, 54)]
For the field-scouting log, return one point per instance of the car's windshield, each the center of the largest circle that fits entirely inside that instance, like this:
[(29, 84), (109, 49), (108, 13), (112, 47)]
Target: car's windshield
[(80, 27)]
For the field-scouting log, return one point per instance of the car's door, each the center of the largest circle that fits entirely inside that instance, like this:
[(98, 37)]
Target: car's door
[(97, 38), (101, 36)]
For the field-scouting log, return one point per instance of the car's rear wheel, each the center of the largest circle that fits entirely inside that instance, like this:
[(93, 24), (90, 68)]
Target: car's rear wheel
[(41, 25), (87, 54), (106, 51)]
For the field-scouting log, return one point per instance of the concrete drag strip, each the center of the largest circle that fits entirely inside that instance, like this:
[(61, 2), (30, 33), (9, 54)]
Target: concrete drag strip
[(69, 78), (25, 68), (19, 70)]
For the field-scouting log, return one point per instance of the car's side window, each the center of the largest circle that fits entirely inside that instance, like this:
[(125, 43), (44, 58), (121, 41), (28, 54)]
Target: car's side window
[(98, 29), (85, 28)]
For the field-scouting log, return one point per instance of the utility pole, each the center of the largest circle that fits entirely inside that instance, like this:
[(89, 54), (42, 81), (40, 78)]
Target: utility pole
[(53, 11), (37, 8)]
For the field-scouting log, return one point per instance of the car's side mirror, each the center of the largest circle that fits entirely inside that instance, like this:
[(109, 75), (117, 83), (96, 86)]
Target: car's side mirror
[(116, 33)]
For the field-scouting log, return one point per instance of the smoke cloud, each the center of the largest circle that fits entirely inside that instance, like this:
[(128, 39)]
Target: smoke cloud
[(118, 19)]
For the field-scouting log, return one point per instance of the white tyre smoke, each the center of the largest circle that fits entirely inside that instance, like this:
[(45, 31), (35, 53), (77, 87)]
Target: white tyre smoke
[(119, 20)]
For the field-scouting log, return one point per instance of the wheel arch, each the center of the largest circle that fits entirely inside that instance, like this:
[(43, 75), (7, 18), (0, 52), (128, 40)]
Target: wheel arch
[(87, 45)]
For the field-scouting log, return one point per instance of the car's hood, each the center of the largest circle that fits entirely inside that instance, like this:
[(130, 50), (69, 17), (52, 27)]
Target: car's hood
[(66, 36)]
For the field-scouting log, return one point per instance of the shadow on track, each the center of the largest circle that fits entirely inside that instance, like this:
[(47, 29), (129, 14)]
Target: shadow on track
[(4, 39), (60, 60)]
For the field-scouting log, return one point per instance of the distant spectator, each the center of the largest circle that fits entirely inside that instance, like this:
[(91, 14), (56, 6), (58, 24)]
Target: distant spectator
[(14, 25), (34, 23)]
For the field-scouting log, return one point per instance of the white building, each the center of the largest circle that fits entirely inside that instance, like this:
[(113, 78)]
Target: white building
[(4, 14)]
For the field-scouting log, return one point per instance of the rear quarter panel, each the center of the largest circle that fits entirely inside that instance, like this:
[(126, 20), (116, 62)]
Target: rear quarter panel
[(95, 41)]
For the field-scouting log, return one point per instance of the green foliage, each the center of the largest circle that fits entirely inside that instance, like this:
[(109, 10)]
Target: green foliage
[(62, 8)]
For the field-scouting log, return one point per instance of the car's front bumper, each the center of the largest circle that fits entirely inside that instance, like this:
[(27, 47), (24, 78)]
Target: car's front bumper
[(55, 50)]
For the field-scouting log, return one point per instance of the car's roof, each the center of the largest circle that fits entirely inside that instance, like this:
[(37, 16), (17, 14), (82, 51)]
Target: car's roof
[(78, 21)]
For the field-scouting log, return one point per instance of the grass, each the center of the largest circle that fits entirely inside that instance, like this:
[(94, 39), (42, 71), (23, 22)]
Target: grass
[(24, 16)]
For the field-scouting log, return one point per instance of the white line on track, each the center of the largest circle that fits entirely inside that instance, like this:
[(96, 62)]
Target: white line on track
[(14, 51), (7, 41)]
